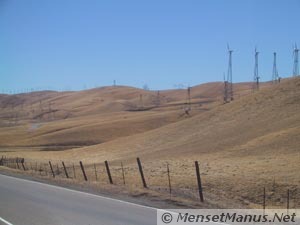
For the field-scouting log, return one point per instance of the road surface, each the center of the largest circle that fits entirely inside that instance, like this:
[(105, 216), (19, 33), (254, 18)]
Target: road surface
[(24, 202)]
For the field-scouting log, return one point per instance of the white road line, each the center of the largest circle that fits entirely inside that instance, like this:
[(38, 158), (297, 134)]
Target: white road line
[(5, 221), (81, 192)]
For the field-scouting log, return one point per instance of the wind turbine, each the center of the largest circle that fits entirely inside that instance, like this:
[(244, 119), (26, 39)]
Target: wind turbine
[(229, 74), (256, 76), (275, 77), (296, 60)]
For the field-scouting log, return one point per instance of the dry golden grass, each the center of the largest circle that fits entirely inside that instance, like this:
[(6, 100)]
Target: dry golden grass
[(75, 119), (242, 146)]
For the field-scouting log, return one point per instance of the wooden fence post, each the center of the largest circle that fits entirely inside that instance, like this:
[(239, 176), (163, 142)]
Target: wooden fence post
[(95, 168), (53, 174), (169, 179), (74, 171), (65, 169), (45, 168), (199, 181), (17, 161), (108, 172), (264, 201), (40, 169), (288, 201), (123, 174), (23, 165), (83, 171), (141, 172), (57, 169)]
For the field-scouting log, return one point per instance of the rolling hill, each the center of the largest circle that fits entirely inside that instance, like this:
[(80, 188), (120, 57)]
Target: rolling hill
[(243, 146), (63, 120)]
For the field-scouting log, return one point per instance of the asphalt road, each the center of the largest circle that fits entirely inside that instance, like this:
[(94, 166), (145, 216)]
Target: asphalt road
[(24, 202)]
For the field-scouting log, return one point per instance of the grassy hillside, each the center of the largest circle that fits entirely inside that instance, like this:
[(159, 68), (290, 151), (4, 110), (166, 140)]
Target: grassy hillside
[(63, 120), (257, 123), (242, 146)]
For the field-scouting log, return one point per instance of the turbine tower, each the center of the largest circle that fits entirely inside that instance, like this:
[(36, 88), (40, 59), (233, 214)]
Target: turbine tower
[(275, 77), (228, 86), (256, 76), (296, 61), (225, 88)]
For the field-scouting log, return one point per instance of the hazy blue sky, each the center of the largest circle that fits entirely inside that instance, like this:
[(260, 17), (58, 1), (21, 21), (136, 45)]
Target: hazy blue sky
[(82, 44)]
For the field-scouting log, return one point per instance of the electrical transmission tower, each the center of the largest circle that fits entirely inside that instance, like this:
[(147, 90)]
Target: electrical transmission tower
[(228, 86), (256, 76), (296, 61), (275, 77), (187, 106)]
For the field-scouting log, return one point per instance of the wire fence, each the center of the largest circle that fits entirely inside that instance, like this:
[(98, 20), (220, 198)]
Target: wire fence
[(173, 180)]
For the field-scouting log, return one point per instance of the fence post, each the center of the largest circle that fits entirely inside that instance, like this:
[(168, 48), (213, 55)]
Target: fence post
[(51, 169), (96, 176), (169, 179), (45, 168), (141, 172), (57, 169), (264, 201), (74, 172), (83, 171), (17, 159), (123, 174), (108, 172), (40, 169), (288, 201), (23, 165), (65, 169), (199, 181)]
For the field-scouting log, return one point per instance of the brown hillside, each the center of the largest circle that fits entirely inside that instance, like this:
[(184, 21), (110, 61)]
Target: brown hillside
[(253, 123), (242, 146), (74, 119)]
